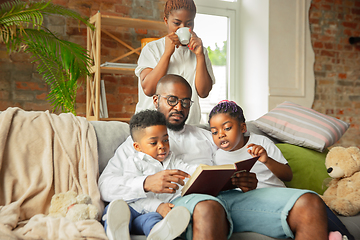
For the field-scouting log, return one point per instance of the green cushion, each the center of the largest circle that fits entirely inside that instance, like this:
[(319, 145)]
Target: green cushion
[(308, 167)]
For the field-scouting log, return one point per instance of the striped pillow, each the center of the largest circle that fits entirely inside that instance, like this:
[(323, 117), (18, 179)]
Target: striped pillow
[(302, 126)]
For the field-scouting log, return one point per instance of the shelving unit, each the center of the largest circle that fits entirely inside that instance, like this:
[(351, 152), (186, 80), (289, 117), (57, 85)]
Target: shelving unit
[(94, 49)]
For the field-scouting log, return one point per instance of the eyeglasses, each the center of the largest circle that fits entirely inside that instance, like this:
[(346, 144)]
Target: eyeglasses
[(173, 101)]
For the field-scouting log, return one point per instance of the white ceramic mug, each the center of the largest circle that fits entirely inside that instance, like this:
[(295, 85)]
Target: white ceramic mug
[(184, 35)]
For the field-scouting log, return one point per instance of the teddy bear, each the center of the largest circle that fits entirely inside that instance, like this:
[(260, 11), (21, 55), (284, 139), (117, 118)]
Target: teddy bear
[(72, 206), (343, 192)]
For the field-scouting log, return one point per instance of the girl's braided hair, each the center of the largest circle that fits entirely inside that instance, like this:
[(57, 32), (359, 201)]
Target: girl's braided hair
[(171, 5), (228, 107)]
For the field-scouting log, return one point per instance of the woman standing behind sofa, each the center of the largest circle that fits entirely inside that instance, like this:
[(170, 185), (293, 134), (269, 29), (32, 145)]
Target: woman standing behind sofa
[(167, 55)]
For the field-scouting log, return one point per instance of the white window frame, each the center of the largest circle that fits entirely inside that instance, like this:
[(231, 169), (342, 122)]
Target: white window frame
[(224, 9), (248, 82)]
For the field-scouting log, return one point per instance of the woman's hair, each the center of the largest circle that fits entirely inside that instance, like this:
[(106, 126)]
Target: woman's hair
[(230, 108), (171, 5)]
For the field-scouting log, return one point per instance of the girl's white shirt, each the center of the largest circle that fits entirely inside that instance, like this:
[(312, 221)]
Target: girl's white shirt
[(265, 177)]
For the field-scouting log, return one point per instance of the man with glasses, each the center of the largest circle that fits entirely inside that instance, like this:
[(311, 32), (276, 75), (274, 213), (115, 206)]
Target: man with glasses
[(192, 144), (303, 215)]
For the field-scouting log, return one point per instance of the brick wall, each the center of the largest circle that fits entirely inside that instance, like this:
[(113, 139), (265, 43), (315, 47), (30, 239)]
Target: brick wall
[(336, 68), (21, 86), (337, 62)]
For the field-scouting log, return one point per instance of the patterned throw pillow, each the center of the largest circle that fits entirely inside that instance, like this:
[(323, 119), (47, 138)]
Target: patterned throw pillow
[(302, 126)]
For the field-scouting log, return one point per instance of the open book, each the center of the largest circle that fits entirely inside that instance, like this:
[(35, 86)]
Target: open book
[(213, 179)]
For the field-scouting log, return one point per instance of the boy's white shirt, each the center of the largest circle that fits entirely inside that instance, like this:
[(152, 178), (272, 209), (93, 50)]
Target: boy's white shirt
[(142, 164), (265, 177), (182, 62), (192, 144)]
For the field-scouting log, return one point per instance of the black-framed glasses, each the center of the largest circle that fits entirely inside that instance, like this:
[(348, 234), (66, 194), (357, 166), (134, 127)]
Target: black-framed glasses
[(174, 100)]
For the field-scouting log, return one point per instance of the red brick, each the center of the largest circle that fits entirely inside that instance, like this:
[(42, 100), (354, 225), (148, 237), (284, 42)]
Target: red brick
[(329, 53), (6, 104), (348, 32), (329, 111), (30, 86), (124, 10), (342, 75), (314, 21), (350, 25), (61, 2), (141, 31), (131, 90), (355, 11), (328, 67), (326, 7), (128, 81), (338, 2), (318, 45), (76, 31), (31, 106), (109, 79), (4, 95), (339, 112), (315, 14), (326, 38), (80, 109), (329, 46), (42, 96)]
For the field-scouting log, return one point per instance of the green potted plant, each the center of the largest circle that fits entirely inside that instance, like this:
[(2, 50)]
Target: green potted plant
[(61, 63)]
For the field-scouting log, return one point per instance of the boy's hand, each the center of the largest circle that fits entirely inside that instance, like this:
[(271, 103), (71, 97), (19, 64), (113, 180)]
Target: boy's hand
[(165, 181), (258, 151), (246, 181), (164, 208)]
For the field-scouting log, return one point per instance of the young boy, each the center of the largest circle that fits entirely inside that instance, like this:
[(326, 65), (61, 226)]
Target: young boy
[(154, 214)]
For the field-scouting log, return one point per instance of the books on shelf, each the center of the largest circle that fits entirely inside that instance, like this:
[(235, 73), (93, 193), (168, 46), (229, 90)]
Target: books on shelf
[(118, 65), (213, 179), (103, 103)]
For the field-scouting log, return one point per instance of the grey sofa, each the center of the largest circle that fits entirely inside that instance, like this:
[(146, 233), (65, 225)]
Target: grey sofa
[(111, 134)]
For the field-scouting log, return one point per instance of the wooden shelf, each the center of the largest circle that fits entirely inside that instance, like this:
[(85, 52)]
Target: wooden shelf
[(94, 49), (92, 118), (107, 20), (117, 70)]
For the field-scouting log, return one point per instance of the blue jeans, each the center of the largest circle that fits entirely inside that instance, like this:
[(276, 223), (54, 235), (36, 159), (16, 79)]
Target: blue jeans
[(265, 211), (139, 224)]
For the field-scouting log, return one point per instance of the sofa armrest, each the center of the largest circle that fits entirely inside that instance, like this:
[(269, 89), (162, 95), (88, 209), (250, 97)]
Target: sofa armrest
[(109, 137)]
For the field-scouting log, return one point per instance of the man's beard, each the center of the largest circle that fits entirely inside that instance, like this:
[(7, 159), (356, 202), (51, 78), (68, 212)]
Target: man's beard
[(174, 127)]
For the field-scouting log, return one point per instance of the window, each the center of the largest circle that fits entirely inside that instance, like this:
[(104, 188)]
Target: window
[(213, 32), (213, 26)]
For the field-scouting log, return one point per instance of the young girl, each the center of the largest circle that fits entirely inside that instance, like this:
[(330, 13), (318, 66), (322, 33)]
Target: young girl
[(167, 55), (227, 124)]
